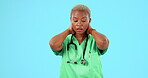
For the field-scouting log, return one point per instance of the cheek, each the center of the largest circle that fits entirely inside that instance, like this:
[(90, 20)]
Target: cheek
[(73, 26), (86, 25), (74, 23), (85, 28)]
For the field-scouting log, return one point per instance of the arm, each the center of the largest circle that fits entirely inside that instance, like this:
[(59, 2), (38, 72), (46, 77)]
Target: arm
[(101, 40), (56, 42)]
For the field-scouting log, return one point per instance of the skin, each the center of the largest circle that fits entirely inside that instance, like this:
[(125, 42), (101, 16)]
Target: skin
[(80, 27), (80, 22)]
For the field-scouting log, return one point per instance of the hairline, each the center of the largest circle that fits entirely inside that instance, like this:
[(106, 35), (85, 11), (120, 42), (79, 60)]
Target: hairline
[(80, 10)]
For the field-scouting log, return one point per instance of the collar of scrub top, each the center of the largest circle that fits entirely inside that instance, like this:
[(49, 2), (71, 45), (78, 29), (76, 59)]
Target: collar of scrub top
[(83, 61)]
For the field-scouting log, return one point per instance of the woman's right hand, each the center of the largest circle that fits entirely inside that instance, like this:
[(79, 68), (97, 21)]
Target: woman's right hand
[(71, 31)]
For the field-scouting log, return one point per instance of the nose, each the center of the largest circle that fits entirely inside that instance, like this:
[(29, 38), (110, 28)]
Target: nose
[(79, 23)]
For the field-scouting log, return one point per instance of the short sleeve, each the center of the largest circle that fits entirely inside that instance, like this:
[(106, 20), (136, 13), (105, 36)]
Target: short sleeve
[(102, 52), (60, 53)]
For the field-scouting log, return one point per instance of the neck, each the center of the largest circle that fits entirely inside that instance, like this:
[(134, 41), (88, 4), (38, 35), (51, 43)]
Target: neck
[(80, 36)]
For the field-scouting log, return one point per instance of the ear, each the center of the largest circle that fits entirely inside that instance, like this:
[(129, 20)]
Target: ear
[(89, 20)]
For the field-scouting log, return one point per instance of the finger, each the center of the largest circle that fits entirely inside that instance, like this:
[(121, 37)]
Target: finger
[(71, 29), (89, 26), (87, 30), (73, 32)]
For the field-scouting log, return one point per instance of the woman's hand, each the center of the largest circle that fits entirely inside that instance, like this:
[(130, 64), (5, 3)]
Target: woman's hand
[(71, 31), (101, 40), (90, 29)]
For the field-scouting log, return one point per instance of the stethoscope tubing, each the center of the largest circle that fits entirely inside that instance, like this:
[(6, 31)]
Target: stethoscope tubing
[(83, 61)]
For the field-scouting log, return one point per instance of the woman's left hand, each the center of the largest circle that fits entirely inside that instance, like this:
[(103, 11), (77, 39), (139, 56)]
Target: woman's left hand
[(89, 30)]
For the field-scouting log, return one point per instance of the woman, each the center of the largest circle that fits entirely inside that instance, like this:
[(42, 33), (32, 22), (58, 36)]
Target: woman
[(81, 51)]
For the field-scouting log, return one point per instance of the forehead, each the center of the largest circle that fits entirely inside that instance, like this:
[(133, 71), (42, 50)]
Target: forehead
[(79, 13)]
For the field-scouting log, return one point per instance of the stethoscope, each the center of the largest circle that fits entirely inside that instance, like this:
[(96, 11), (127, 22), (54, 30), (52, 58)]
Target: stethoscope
[(83, 61)]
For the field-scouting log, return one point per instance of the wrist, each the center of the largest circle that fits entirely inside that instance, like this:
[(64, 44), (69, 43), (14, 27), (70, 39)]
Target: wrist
[(68, 31)]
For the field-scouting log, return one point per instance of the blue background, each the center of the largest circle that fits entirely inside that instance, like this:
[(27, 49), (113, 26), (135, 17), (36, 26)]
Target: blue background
[(26, 26)]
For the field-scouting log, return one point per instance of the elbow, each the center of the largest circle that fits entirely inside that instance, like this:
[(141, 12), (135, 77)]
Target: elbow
[(54, 46), (51, 44), (103, 44)]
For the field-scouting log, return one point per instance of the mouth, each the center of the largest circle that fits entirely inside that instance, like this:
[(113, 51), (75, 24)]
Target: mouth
[(79, 30)]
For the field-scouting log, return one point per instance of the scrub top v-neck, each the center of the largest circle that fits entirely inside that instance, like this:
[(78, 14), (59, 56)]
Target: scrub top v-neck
[(93, 66)]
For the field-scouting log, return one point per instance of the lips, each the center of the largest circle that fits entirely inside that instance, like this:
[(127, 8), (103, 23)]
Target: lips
[(79, 30)]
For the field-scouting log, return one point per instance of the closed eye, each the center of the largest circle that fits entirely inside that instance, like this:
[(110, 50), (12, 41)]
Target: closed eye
[(83, 21), (75, 20)]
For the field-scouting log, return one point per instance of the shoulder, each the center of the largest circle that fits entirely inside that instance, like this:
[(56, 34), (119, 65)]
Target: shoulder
[(67, 39), (90, 37)]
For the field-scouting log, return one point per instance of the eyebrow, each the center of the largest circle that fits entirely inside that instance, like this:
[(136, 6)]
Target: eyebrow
[(82, 17)]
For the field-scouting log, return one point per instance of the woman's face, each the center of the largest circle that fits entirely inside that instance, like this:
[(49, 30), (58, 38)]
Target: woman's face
[(80, 21)]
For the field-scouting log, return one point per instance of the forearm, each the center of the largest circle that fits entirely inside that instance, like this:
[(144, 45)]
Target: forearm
[(101, 40), (56, 41)]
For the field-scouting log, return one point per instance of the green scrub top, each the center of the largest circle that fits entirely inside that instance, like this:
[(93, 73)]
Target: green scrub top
[(93, 67)]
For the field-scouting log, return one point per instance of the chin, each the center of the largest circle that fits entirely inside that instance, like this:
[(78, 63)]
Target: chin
[(80, 32)]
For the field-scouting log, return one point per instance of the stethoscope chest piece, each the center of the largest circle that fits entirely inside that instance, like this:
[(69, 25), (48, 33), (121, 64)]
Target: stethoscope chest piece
[(83, 61), (72, 62)]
